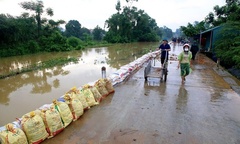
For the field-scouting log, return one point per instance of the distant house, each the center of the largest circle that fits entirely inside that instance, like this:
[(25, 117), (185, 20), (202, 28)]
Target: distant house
[(207, 40)]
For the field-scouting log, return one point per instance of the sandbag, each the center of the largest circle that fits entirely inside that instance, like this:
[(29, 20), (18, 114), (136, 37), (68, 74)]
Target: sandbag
[(79, 94), (96, 94), (52, 121), (34, 128), (12, 135), (64, 112), (89, 96), (101, 88), (109, 86), (75, 106), (115, 78)]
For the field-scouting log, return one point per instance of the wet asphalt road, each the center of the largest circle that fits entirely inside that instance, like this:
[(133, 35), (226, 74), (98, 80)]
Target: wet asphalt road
[(204, 110)]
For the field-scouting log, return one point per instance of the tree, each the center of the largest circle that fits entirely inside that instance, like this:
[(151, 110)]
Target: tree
[(98, 33), (167, 32), (118, 6), (73, 28), (37, 7), (130, 25), (83, 32), (228, 12), (193, 29)]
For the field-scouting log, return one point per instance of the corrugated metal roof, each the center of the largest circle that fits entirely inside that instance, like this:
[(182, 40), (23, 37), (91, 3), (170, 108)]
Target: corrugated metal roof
[(210, 29)]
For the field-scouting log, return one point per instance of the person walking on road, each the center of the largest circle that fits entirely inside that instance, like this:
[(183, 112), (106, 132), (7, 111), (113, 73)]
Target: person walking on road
[(185, 62), (165, 48)]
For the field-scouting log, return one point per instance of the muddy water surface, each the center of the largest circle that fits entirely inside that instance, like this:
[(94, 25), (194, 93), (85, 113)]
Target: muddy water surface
[(25, 92)]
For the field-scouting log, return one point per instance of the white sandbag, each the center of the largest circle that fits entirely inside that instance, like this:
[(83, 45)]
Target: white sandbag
[(114, 78)]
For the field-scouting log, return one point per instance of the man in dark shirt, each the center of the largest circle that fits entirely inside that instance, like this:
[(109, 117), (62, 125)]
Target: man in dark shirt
[(194, 49), (164, 47)]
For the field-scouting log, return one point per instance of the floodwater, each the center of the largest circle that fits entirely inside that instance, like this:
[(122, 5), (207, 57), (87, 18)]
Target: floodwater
[(25, 92)]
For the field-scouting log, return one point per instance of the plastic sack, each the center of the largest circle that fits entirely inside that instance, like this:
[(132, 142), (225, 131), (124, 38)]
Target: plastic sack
[(127, 67), (75, 106), (34, 128), (89, 96), (109, 86), (64, 112), (123, 73), (12, 135), (115, 79), (52, 121), (96, 94), (76, 93), (100, 85)]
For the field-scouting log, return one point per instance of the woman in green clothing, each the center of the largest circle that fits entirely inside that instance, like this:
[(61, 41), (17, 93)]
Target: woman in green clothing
[(185, 61)]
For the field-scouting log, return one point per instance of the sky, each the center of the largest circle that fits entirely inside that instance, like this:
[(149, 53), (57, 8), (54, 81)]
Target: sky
[(90, 13)]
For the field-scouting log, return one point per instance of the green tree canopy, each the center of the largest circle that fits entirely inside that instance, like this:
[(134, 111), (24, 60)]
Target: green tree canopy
[(227, 45), (228, 12), (193, 29), (73, 28), (37, 8), (98, 33), (130, 25)]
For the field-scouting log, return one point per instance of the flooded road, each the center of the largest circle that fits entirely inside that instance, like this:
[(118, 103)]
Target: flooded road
[(203, 110), (25, 92)]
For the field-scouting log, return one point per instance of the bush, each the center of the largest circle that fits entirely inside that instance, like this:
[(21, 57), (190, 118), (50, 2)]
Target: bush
[(227, 45), (33, 46), (74, 41)]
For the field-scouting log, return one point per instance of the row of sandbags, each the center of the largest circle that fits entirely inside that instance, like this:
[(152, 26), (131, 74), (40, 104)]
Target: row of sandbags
[(50, 119), (123, 72)]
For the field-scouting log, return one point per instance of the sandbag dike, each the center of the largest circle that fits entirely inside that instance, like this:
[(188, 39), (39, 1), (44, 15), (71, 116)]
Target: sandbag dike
[(50, 119)]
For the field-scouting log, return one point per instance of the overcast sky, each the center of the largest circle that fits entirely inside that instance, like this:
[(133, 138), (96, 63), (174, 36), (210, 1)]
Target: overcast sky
[(90, 13)]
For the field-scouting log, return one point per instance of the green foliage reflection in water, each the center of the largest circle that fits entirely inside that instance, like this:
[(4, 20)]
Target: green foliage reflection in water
[(42, 65)]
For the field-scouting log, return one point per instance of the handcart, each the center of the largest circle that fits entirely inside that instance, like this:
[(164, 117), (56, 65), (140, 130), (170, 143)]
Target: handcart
[(154, 69)]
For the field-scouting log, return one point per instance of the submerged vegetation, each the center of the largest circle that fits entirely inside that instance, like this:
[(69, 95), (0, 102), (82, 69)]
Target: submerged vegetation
[(42, 65)]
